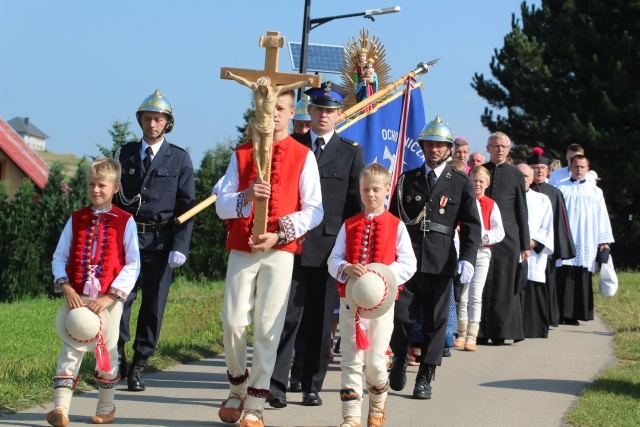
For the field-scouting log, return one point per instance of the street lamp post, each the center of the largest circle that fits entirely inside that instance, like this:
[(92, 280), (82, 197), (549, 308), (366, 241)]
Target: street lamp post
[(309, 24)]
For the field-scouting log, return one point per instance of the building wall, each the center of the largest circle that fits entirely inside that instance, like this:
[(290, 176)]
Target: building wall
[(37, 144), (10, 173)]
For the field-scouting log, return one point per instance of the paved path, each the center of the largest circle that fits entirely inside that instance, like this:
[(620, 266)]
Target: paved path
[(532, 383)]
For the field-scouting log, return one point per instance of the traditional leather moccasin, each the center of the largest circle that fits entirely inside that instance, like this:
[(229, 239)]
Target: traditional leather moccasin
[(231, 415), (57, 418), (374, 419), (104, 418)]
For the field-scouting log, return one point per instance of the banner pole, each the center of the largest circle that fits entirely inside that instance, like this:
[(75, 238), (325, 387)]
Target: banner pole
[(422, 68)]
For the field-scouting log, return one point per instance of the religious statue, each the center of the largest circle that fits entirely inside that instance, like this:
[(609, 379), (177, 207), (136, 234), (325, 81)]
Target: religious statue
[(265, 97), (364, 69), (367, 84)]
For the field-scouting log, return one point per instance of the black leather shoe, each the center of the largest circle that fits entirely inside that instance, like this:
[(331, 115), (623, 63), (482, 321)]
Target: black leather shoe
[(446, 352), (134, 379), (311, 398), (276, 398), (398, 372), (295, 385), (422, 390)]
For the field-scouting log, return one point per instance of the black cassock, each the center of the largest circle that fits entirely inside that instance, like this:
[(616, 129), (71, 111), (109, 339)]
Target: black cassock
[(501, 305), (563, 245)]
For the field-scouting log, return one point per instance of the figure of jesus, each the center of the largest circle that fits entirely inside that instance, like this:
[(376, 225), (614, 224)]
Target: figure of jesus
[(265, 97)]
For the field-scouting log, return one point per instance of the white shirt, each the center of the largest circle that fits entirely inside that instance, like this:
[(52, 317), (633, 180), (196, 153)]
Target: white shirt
[(154, 148), (563, 174), (495, 233), (541, 230), (588, 220), (314, 136), (403, 268), (127, 277), (310, 213)]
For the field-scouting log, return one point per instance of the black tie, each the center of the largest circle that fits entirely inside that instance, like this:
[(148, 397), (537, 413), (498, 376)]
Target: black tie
[(319, 145), (147, 159), (431, 180)]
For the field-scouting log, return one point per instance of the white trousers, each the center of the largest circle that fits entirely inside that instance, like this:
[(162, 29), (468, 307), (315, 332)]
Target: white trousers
[(70, 359), (371, 362), (471, 298), (258, 282)]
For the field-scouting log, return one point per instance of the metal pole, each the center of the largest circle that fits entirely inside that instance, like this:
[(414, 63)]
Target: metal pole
[(305, 40)]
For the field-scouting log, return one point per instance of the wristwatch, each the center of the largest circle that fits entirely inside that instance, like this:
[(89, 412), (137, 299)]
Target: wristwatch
[(282, 238)]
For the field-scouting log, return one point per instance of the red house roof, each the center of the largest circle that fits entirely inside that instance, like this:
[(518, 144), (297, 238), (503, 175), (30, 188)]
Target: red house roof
[(23, 156)]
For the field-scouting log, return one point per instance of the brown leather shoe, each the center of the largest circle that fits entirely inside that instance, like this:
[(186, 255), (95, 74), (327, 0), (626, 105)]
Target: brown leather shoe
[(377, 420), (104, 418), (231, 415), (57, 418), (251, 423)]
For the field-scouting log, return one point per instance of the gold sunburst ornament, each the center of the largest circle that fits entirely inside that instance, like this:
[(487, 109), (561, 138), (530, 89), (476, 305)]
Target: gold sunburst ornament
[(365, 67)]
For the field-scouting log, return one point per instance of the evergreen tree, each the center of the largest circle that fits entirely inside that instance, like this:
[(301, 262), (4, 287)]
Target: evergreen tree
[(20, 276), (120, 134), (566, 75), (208, 254)]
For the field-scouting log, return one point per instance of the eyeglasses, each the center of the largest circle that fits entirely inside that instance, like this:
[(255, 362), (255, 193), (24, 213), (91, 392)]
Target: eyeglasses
[(500, 147)]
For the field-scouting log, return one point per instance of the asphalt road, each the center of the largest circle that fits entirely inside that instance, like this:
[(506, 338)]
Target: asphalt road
[(532, 383)]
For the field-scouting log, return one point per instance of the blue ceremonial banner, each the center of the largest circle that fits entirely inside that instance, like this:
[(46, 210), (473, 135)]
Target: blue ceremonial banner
[(378, 131)]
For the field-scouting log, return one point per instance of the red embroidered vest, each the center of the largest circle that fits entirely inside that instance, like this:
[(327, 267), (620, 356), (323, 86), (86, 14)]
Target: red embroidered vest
[(107, 229), (370, 240), (486, 207), (288, 158)]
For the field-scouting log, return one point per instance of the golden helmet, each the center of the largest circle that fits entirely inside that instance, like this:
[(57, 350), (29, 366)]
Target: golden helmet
[(436, 130), (158, 103)]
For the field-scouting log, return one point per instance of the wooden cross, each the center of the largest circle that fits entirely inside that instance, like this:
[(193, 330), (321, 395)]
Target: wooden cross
[(273, 41)]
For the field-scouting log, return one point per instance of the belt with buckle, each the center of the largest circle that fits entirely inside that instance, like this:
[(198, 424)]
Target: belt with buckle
[(428, 226), (149, 228)]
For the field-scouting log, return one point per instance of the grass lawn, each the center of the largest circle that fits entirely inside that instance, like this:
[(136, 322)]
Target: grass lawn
[(614, 397), (29, 347)]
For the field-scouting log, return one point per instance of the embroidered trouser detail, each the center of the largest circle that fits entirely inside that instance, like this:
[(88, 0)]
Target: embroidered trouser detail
[(378, 390), (65, 382), (238, 380), (257, 392), (105, 383), (347, 394)]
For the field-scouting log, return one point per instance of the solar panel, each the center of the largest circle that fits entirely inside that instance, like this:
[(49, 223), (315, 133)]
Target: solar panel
[(321, 58)]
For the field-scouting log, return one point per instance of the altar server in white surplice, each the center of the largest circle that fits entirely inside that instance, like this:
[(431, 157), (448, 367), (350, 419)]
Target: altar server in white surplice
[(591, 230), (535, 298)]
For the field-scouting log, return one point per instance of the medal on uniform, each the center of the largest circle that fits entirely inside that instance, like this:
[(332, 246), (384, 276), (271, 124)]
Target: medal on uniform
[(447, 176), (418, 198), (132, 171), (443, 203), (408, 199)]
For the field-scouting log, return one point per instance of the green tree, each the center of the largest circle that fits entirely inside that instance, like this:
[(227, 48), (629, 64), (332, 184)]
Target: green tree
[(20, 276), (208, 255), (120, 134), (567, 73)]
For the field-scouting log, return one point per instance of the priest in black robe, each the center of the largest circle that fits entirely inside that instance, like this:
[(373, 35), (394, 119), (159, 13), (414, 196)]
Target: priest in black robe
[(501, 304), (563, 246)]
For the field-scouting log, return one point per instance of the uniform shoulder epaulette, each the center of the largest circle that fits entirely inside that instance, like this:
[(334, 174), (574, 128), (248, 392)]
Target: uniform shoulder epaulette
[(178, 147), (348, 141)]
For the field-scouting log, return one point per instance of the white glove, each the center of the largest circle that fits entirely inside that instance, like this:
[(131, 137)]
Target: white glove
[(465, 270), (176, 259)]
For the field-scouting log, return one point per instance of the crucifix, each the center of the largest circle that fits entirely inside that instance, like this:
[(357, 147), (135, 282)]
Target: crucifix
[(266, 85)]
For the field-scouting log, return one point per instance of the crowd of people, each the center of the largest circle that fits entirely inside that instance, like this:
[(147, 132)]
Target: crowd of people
[(499, 252)]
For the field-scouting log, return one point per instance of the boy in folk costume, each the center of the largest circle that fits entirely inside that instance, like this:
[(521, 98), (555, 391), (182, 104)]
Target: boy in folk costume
[(95, 265), (470, 309), (372, 255), (259, 273)]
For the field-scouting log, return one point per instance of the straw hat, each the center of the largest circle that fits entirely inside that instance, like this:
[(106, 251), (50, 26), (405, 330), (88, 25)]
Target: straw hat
[(81, 328), (373, 293)]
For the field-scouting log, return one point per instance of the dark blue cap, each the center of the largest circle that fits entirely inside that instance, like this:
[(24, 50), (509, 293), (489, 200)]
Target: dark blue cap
[(328, 95)]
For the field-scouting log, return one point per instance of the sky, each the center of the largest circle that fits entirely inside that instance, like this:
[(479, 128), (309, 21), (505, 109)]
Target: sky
[(74, 66)]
